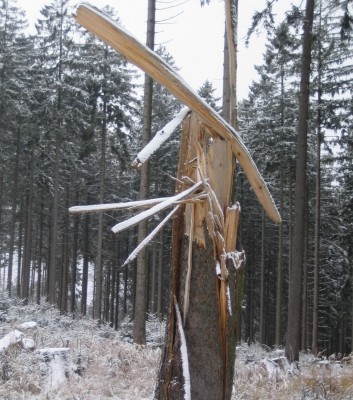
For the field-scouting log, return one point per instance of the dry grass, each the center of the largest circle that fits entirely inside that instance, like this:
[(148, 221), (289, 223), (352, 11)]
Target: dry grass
[(313, 379), (103, 366)]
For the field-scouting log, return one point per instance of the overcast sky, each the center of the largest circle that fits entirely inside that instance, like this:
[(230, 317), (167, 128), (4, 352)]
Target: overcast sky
[(194, 37)]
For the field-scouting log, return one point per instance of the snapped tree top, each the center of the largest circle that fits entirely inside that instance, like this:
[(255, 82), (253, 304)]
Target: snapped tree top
[(135, 52)]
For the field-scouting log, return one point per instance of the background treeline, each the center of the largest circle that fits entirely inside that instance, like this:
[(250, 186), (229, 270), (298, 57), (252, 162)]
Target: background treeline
[(70, 123)]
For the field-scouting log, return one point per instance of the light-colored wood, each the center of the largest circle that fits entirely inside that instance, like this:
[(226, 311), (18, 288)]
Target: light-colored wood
[(231, 227), (230, 13), (135, 52), (220, 170)]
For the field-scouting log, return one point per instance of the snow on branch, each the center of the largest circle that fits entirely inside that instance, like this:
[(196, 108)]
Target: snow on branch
[(154, 210), (150, 237), (159, 138), (115, 206), (184, 353)]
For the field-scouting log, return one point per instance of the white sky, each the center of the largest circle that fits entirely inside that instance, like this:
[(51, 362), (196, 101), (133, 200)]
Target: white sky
[(194, 38)]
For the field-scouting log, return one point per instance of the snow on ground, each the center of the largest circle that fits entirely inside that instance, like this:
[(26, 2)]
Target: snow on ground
[(73, 359), (76, 359)]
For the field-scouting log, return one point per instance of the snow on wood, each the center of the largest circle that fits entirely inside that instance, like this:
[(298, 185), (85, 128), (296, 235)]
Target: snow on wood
[(58, 364), (28, 325), (122, 41), (150, 237), (154, 210), (28, 343), (218, 269), (11, 338), (229, 303), (116, 206), (237, 258), (159, 138), (53, 350), (184, 353)]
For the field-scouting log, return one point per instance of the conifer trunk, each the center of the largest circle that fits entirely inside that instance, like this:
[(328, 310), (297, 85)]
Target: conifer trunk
[(296, 273), (97, 311), (13, 213), (25, 276), (139, 329), (314, 345), (262, 284)]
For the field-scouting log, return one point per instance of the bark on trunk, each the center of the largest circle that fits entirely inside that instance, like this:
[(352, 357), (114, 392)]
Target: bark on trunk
[(295, 277), (314, 344), (97, 311), (206, 280), (27, 250), (263, 317), (160, 277), (13, 213), (86, 252), (139, 329), (74, 259)]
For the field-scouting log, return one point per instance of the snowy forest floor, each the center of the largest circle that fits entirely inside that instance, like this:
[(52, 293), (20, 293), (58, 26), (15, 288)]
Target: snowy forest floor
[(45, 355)]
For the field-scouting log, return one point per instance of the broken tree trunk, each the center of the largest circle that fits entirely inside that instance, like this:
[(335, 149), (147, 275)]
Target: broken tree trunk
[(203, 274), (206, 282)]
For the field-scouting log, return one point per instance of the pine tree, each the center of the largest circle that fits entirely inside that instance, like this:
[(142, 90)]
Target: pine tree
[(15, 106)]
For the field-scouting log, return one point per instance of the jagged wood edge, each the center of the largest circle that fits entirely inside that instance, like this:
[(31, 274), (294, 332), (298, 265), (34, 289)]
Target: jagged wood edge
[(114, 35)]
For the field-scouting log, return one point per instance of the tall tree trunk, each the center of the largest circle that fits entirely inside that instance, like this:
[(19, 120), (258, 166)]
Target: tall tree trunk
[(126, 278), (263, 317), (305, 297), (13, 213), (114, 273), (153, 279), (74, 258), (160, 277), (27, 252), (279, 282), (350, 256), (97, 311), (226, 85), (139, 329), (40, 248), (85, 264), (208, 300), (231, 12), (251, 299), (20, 250), (64, 282), (296, 273), (314, 344), (52, 272)]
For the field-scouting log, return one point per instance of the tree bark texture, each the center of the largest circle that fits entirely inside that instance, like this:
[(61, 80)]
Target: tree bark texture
[(97, 309), (314, 344), (206, 277), (296, 273), (14, 194), (139, 329)]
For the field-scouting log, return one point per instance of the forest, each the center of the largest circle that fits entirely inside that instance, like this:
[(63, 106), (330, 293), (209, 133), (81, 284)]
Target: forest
[(71, 117)]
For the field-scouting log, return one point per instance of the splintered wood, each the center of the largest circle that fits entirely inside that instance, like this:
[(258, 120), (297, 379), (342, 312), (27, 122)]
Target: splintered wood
[(200, 163), (122, 41), (208, 159)]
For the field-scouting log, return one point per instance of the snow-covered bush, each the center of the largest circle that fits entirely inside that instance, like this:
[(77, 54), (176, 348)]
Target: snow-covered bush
[(155, 330)]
